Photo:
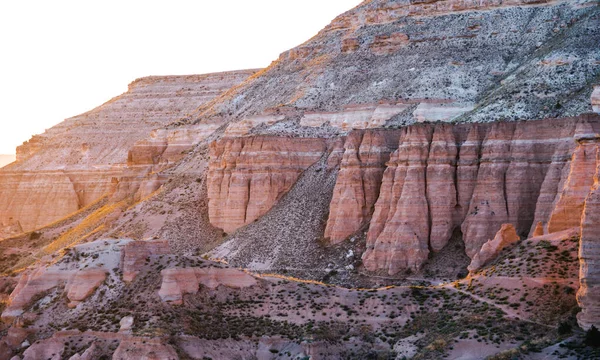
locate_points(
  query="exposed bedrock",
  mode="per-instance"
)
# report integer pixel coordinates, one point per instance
(506, 236)
(247, 176)
(78, 161)
(357, 187)
(475, 177)
(588, 296)
(178, 282)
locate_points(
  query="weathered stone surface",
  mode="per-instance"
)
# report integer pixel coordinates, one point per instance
(399, 233)
(476, 178)
(126, 324)
(359, 179)
(144, 349)
(92, 353)
(506, 236)
(244, 126)
(588, 295)
(135, 253)
(247, 176)
(178, 282)
(72, 164)
(78, 285)
(388, 44)
(432, 112)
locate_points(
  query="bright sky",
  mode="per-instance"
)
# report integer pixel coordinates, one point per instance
(60, 58)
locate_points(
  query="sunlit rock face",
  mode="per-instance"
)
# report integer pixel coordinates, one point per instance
(247, 176)
(76, 162)
(506, 236)
(596, 99)
(178, 282)
(474, 178)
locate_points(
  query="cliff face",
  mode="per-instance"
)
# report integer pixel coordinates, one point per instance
(469, 177)
(75, 163)
(246, 176)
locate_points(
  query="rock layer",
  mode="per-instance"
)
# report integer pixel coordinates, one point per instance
(135, 253)
(72, 164)
(474, 178)
(357, 187)
(506, 236)
(178, 282)
(247, 176)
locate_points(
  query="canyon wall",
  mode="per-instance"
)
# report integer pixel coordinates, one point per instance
(247, 176)
(472, 177)
(78, 161)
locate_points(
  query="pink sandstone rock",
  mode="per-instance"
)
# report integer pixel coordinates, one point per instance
(472, 178)
(506, 236)
(178, 282)
(135, 253)
(359, 179)
(588, 295)
(569, 208)
(79, 285)
(247, 176)
(399, 233)
(49, 349)
(92, 353)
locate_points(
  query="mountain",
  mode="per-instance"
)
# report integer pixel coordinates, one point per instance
(418, 180)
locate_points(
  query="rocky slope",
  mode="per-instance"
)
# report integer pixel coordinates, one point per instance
(78, 161)
(401, 144)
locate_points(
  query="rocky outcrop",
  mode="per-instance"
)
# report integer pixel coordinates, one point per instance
(135, 254)
(389, 44)
(178, 282)
(588, 295)
(475, 178)
(506, 236)
(359, 178)
(247, 176)
(79, 284)
(72, 164)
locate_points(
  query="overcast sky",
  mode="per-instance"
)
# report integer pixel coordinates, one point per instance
(60, 58)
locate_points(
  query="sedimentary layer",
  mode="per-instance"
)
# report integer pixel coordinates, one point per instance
(76, 162)
(472, 177)
(246, 176)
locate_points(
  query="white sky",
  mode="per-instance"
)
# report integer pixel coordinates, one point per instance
(60, 58)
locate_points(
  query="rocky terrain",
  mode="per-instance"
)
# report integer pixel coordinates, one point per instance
(418, 180)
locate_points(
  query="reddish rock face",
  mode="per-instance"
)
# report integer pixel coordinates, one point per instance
(359, 179)
(178, 282)
(588, 296)
(506, 236)
(142, 348)
(476, 178)
(247, 176)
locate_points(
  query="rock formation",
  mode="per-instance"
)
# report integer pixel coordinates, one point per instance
(506, 236)
(178, 282)
(247, 176)
(357, 187)
(589, 249)
(72, 164)
(476, 178)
